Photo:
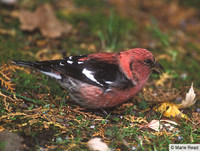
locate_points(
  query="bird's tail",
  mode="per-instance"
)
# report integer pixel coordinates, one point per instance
(34, 64)
(42, 66)
(23, 63)
(39, 65)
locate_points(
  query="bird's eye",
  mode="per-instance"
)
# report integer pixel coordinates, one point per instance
(148, 61)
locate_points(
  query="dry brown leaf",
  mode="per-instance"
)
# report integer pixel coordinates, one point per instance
(43, 19)
(190, 99)
(96, 144)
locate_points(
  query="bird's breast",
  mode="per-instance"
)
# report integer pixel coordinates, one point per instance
(95, 97)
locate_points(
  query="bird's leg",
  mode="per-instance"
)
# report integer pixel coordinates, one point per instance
(104, 112)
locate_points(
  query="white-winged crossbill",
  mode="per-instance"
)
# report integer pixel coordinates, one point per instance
(100, 80)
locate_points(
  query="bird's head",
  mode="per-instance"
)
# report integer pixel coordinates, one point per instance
(139, 61)
(146, 58)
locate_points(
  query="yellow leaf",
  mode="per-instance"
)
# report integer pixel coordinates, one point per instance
(169, 110)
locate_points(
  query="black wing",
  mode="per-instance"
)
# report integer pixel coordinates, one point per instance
(91, 71)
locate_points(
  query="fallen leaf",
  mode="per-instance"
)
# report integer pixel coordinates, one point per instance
(189, 99)
(157, 125)
(43, 19)
(96, 144)
(169, 110)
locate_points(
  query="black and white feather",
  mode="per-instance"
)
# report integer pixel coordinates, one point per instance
(91, 71)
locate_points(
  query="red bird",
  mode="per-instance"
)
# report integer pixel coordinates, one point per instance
(100, 80)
